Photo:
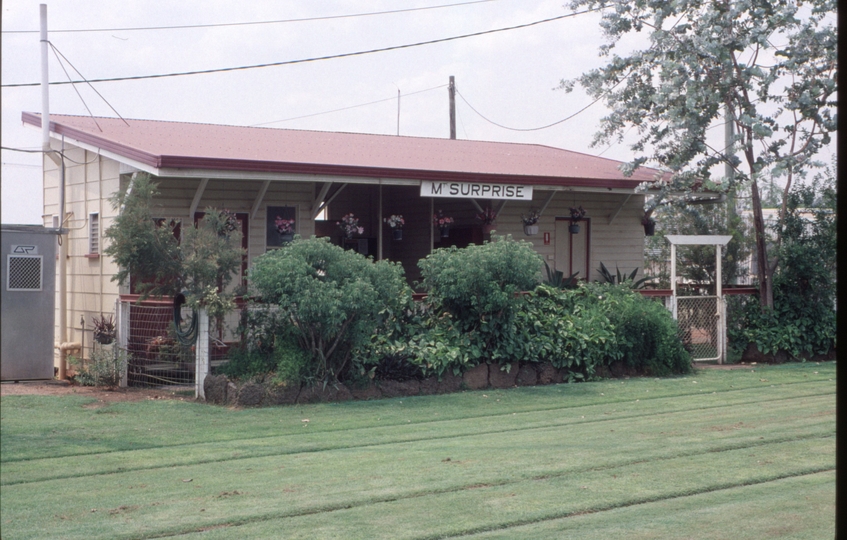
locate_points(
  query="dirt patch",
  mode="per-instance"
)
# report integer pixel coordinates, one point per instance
(103, 396)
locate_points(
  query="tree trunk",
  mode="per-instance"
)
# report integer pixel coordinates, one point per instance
(765, 288)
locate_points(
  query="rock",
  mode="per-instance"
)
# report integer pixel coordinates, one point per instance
(547, 374)
(399, 388)
(320, 393)
(250, 395)
(476, 378)
(429, 386)
(214, 388)
(366, 392)
(498, 378)
(527, 376)
(231, 393)
(282, 395)
(449, 383)
(753, 354)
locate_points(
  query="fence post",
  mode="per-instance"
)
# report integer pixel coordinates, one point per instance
(202, 351)
(122, 311)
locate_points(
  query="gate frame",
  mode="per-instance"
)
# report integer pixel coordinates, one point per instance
(703, 240)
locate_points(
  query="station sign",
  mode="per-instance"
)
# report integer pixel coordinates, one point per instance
(475, 190)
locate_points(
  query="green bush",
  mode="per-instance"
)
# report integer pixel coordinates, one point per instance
(472, 300)
(803, 319)
(646, 335)
(563, 328)
(104, 368)
(333, 299)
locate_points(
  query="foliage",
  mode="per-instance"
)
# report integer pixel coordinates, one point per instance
(565, 328)
(646, 335)
(104, 368)
(477, 285)
(349, 225)
(245, 362)
(620, 279)
(770, 66)
(104, 329)
(202, 263)
(487, 216)
(557, 279)
(395, 221)
(532, 217)
(577, 213)
(333, 298)
(696, 264)
(440, 220)
(804, 318)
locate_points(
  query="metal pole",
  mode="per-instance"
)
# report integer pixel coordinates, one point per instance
(719, 292)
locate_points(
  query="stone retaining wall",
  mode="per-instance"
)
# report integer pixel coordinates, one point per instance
(223, 391)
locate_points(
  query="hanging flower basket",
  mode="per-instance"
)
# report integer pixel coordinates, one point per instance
(397, 234)
(487, 228)
(445, 232)
(104, 330)
(443, 223)
(349, 225)
(530, 230)
(530, 221)
(649, 228)
(573, 228)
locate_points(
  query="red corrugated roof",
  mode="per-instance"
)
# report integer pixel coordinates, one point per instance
(181, 145)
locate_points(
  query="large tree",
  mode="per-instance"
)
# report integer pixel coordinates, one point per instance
(767, 66)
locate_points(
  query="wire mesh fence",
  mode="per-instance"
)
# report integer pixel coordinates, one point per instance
(699, 326)
(156, 356)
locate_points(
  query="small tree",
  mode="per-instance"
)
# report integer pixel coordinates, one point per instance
(145, 246)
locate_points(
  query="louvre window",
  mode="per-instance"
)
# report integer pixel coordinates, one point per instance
(94, 234)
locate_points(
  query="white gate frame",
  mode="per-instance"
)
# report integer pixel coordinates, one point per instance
(703, 240)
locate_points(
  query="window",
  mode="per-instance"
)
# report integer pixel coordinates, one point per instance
(94, 234)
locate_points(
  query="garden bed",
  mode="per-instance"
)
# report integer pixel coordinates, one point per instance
(221, 390)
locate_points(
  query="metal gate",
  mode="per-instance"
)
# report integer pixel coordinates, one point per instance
(700, 328)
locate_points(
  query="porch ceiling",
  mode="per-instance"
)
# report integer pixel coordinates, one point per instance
(177, 149)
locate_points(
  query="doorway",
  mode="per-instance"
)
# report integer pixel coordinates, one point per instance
(572, 247)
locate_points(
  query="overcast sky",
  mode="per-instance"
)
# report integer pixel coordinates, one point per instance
(509, 77)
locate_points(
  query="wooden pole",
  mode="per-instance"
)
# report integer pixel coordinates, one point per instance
(452, 91)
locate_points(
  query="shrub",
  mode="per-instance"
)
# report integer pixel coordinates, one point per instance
(104, 368)
(561, 327)
(646, 335)
(472, 301)
(334, 299)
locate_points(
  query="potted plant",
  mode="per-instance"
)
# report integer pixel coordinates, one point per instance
(649, 224)
(104, 330)
(285, 228)
(576, 214)
(443, 223)
(349, 225)
(487, 218)
(396, 223)
(530, 221)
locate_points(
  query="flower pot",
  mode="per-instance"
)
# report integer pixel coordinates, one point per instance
(445, 232)
(573, 228)
(530, 230)
(650, 228)
(487, 228)
(397, 234)
(103, 338)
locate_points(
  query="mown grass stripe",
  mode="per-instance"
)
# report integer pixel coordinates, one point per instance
(44, 466)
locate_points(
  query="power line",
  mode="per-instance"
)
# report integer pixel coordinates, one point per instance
(557, 122)
(315, 59)
(347, 108)
(249, 23)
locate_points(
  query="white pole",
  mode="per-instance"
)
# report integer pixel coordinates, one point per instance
(202, 351)
(719, 292)
(45, 83)
(673, 279)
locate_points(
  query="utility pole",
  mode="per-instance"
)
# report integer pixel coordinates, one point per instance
(451, 88)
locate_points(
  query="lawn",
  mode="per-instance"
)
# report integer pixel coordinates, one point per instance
(719, 454)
